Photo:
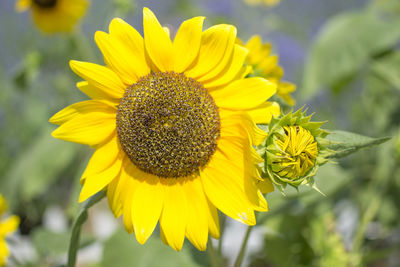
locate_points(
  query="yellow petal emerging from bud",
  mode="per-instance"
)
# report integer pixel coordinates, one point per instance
(298, 152)
(295, 147)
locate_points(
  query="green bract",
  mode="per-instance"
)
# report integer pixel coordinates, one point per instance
(295, 147)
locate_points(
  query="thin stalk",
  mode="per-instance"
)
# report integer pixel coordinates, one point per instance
(240, 256)
(212, 254)
(76, 228)
(222, 227)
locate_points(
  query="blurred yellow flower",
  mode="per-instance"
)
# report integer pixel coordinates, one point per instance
(263, 2)
(53, 16)
(7, 226)
(174, 128)
(266, 65)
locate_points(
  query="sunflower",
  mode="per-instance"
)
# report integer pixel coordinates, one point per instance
(263, 2)
(173, 124)
(266, 65)
(7, 226)
(53, 16)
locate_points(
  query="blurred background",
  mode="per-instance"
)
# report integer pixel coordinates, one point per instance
(343, 56)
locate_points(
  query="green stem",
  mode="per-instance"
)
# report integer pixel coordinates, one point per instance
(212, 254)
(240, 256)
(222, 227)
(76, 228)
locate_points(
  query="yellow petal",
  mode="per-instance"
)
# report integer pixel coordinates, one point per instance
(254, 43)
(4, 253)
(265, 186)
(96, 182)
(264, 113)
(187, 43)
(222, 66)
(114, 56)
(222, 189)
(163, 238)
(284, 90)
(127, 210)
(81, 108)
(215, 42)
(259, 51)
(8, 226)
(167, 31)
(104, 155)
(269, 67)
(104, 79)
(213, 220)
(121, 188)
(240, 124)
(95, 93)
(126, 179)
(88, 129)
(230, 71)
(131, 43)
(173, 219)
(197, 214)
(114, 203)
(157, 42)
(244, 94)
(236, 153)
(147, 204)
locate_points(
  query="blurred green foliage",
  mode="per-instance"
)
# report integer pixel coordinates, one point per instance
(345, 45)
(121, 250)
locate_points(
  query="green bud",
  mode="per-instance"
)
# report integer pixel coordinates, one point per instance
(295, 147)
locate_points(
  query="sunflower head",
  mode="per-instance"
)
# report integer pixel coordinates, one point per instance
(173, 125)
(294, 149)
(54, 16)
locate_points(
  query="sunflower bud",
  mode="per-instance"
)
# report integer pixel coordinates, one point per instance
(294, 149)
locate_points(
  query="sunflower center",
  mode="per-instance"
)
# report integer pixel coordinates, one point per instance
(168, 124)
(45, 3)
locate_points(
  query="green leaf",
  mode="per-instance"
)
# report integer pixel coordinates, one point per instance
(122, 250)
(344, 143)
(344, 45)
(388, 68)
(38, 166)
